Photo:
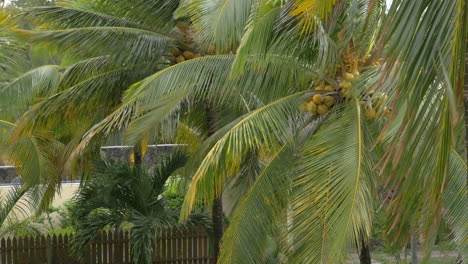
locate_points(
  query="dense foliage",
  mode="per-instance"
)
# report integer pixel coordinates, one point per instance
(309, 115)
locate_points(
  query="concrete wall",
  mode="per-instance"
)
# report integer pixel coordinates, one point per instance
(7, 174)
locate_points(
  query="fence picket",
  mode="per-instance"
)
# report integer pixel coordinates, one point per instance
(104, 247)
(126, 247)
(25, 250)
(172, 246)
(3, 255)
(9, 251)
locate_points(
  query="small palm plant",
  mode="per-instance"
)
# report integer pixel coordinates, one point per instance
(131, 195)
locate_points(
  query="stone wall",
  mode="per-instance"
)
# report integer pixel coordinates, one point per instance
(7, 174)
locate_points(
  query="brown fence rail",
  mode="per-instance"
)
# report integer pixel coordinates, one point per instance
(173, 246)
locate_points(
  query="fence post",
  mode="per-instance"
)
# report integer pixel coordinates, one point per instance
(49, 255)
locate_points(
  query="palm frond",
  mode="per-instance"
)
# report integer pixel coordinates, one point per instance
(205, 78)
(28, 88)
(12, 52)
(157, 15)
(455, 202)
(420, 64)
(266, 124)
(309, 11)
(101, 84)
(11, 201)
(60, 17)
(128, 43)
(258, 34)
(36, 157)
(260, 209)
(333, 191)
(221, 23)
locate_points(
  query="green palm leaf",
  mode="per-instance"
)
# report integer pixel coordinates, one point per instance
(27, 88)
(266, 124)
(207, 78)
(259, 210)
(456, 202)
(157, 14)
(221, 23)
(333, 191)
(60, 17)
(129, 43)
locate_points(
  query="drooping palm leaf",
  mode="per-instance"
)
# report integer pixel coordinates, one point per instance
(259, 211)
(333, 192)
(28, 88)
(266, 124)
(309, 11)
(455, 202)
(157, 15)
(97, 41)
(221, 22)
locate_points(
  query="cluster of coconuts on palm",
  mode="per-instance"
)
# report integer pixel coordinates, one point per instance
(318, 104)
(181, 55)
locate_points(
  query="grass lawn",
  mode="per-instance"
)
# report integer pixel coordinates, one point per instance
(436, 260)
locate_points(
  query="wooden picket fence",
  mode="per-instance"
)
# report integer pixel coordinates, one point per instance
(173, 246)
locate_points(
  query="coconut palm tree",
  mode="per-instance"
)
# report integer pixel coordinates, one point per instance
(130, 195)
(344, 102)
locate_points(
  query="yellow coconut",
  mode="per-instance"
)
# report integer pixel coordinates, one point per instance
(180, 59)
(348, 76)
(312, 107)
(322, 109)
(329, 88)
(371, 113)
(188, 55)
(329, 100)
(345, 84)
(317, 98)
(175, 52)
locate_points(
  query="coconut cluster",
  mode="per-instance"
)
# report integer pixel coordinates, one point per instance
(318, 104)
(375, 106)
(181, 55)
(347, 81)
(328, 92)
(324, 86)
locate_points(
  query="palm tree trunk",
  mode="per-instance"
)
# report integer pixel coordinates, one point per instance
(364, 254)
(137, 155)
(217, 209)
(218, 225)
(414, 249)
